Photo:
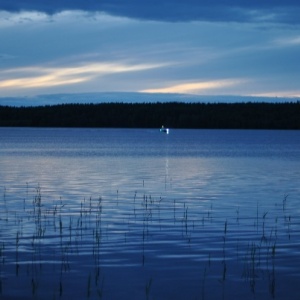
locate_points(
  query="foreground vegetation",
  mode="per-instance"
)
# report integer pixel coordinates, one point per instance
(151, 115)
(50, 245)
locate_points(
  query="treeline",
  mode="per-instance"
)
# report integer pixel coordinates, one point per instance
(153, 115)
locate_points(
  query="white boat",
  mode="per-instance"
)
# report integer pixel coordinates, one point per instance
(163, 129)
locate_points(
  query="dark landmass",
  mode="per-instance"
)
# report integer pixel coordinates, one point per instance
(134, 97)
(152, 115)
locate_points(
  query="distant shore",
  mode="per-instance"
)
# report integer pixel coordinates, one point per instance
(151, 115)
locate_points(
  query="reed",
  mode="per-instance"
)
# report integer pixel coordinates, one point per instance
(148, 288)
(5, 204)
(34, 286)
(17, 252)
(250, 267)
(272, 282)
(60, 288)
(89, 286)
(284, 201)
(203, 283)
(134, 207)
(257, 217)
(263, 226)
(84, 234)
(185, 218)
(100, 288)
(238, 215)
(174, 211)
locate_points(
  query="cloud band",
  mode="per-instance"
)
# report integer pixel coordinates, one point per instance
(171, 10)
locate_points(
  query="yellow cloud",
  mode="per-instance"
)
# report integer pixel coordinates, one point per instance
(283, 94)
(36, 77)
(35, 82)
(194, 87)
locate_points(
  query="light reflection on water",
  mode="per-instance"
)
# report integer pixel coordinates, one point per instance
(135, 214)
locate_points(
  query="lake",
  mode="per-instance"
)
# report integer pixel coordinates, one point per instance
(139, 214)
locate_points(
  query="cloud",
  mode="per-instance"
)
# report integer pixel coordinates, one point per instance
(88, 51)
(279, 94)
(288, 41)
(171, 10)
(43, 77)
(194, 87)
(4, 56)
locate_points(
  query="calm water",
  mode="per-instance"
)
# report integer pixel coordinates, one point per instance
(137, 214)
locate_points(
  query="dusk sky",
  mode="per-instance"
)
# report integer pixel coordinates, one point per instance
(204, 47)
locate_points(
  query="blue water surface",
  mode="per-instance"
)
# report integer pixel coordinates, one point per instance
(139, 214)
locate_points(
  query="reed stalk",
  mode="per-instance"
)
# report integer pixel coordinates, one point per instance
(147, 288)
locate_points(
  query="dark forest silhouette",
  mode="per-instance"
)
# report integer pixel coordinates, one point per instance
(153, 115)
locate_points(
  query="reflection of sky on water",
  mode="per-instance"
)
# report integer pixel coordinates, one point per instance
(163, 198)
(92, 162)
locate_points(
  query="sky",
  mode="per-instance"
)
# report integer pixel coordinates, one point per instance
(198, 47)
